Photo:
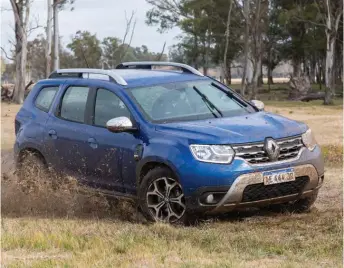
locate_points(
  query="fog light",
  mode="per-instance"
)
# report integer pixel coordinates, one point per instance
(209, 199)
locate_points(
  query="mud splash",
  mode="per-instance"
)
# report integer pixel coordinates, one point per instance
(56, 197)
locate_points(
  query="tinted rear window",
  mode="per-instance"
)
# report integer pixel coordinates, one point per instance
(45, 98)
(73, 104)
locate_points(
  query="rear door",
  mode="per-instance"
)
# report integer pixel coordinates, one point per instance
(67, 130)
(32, 117)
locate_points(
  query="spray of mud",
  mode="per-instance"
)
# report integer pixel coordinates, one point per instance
(53, 196)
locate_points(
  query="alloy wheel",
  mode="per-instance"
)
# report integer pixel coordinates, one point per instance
(165, 200)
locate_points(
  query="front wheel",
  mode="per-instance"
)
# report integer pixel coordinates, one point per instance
(161, 197)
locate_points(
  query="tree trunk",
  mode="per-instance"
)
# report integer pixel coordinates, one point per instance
(323, 70)
(296, 67)
(246, 43)
(260, 80)
(312, 71)
(21, 11)
(204, 57)
(256, 76)
(49, 39)
(256, 50)
(56, 36)
(338, 65)
(269, 68)
(270, 79)
(229, 74)
(329, 85)
(332, 24)
(227, 34)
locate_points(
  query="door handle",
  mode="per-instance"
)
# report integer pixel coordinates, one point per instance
(52, 133)
(93, 143)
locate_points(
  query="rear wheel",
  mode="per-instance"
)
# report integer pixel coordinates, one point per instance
(30, 169)
(161, 197)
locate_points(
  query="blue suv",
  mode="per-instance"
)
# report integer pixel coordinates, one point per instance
(176, 141)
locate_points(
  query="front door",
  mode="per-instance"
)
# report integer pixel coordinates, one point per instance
(111, 163)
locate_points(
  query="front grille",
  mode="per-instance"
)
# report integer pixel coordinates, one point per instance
(254, 152)
(259, 191)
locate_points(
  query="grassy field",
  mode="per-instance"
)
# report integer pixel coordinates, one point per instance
(63, 229)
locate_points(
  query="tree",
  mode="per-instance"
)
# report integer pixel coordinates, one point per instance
(48, 44)
(192, 18)
(334, 13)
(111, 52)
(86, 49)
(258, 30)
(35, 61)
(177, 53)
(273, 41)
(56, 7)
(227, 34)
(226, 31)
(2, 66)
(67, 60)
(21, 12)
(246, 46)
(311, 20)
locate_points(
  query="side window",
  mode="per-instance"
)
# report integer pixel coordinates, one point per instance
(73, 104)
(108, 106)
(45, 98)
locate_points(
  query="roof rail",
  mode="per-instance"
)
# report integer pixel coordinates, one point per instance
(149, 64)
(79, 73)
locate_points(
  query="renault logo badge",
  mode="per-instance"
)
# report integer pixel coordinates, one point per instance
(272, 149)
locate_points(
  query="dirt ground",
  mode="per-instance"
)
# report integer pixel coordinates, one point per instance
(60, 228)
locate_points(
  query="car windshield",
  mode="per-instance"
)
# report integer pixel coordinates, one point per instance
(191, 100)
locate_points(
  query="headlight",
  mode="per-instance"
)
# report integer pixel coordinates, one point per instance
(222, 154)
(309, 140)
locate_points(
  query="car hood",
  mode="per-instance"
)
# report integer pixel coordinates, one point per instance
(253, 127)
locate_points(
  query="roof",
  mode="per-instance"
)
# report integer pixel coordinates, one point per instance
(135, 77)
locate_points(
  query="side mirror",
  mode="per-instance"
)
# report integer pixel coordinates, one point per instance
(120, 124)
(259, 104)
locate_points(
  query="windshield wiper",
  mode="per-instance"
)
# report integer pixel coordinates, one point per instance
(231, 95)
(211, 106)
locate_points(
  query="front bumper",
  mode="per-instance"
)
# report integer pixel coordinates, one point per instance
(233, 196)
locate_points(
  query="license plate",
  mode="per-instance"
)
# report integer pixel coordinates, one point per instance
(278, 176)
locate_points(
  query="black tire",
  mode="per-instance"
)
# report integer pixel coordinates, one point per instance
(30, 169)
(299, 206)
(170, 211)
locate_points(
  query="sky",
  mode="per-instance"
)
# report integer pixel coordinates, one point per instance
(101, 17)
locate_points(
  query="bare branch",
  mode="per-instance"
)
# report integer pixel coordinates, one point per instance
(128, 26)
(11, 42)
(2, 9)
(339, 15)
(35, 27)
(6, 54)
(162, 52)
(311, 22)
(132, 32)
(131, 38)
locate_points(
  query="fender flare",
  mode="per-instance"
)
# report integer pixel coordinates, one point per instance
(157, 160)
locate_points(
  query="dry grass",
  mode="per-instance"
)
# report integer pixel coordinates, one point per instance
(68, 226)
